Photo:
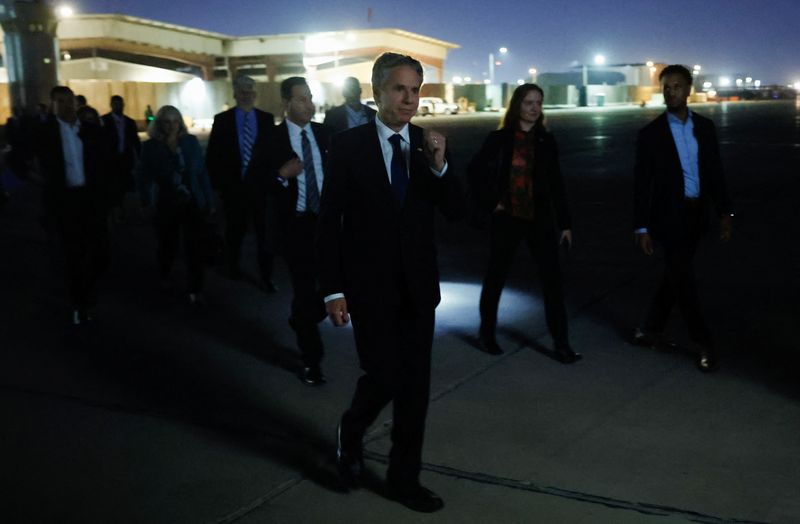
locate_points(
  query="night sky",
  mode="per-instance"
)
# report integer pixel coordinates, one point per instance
(754, 38)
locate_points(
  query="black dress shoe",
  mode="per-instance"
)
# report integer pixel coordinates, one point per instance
(488, 344)
(349, 461)
(707, 361)
(567, 356)
(312, 376)
(416, 497)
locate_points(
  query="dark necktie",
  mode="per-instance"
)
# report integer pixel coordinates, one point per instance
(248, 135)
(312, 191)
(399, 170)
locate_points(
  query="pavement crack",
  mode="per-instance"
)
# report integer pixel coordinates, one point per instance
(578, 496)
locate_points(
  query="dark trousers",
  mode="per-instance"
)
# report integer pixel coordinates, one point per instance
(82, 225)
(506, 234)
(240, 212)
(172, 220)
(678, 282)
(394, 349)
(308, 307)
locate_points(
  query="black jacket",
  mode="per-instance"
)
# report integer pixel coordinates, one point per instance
(658, 177)
(224, 162)
(50, 156)
(371, 248)
(489, 170)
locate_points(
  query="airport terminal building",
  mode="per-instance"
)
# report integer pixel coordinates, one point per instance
(154, 63)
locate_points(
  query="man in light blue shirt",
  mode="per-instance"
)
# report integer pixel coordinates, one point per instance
(352, 113)
(678, 174)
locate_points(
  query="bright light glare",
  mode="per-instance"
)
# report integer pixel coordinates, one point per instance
(504, 50)
(706, 85)
(339, 81)
(487, 81)
(532, 71)
(599, 59)
(725, 81)
(749, 80)
(468, 79)
(520, 81)
(738, 82)
(457, 80)
(652, 69)
(649, 63)
(797, 85)
(757, 83)
(697, 67)
(65, 11)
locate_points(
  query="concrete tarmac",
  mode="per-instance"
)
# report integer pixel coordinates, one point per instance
(159, 412)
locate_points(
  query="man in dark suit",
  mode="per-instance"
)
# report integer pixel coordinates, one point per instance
(378, 263)
(301, 146)
(70, 158)
(238, 161)
(126, 148)
(678, 175)
(352, 113)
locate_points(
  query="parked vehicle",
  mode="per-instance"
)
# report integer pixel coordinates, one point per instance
(431, 105)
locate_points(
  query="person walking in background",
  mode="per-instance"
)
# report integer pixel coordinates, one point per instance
(677, 176)
(304, 146)
(516, 185)
(69, 154)
(172, 177)
(352, 113)
(238, 160)
(124, 152)
(375, 239)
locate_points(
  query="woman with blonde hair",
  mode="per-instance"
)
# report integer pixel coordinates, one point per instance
(172, 177)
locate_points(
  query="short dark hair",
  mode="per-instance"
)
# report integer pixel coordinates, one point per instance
(676, 69)
(511, 118)
(60, 90)
(116, 98)
(388, 61)
(288, 84)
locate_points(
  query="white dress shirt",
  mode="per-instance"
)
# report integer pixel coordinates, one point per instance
(72, 147)
(297, 145)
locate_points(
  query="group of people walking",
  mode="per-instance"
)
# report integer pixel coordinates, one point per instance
(350, 205)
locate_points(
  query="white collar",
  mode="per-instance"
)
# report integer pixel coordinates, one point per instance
(385, 132)
(294, 129)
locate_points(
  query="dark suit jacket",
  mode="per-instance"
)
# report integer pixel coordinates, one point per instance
(489, 170)
(658, 177)
(287, 196)
(336, 117)
(224, 162)
(50, 155)
(133, 146)
(371, 248)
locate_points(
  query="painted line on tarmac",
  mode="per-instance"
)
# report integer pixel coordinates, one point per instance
(639, 507)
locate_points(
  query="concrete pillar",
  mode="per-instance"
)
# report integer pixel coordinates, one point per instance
(31, 51)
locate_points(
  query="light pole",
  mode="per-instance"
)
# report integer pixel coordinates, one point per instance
(502, 51)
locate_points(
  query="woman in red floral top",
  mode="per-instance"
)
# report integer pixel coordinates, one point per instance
(516, 184)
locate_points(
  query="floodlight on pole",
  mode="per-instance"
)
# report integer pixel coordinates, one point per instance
(492, 63)
(65, 11)
(599, 60)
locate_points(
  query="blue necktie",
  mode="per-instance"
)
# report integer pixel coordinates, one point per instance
(312, 191)
(247, 140)
(399, 170)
